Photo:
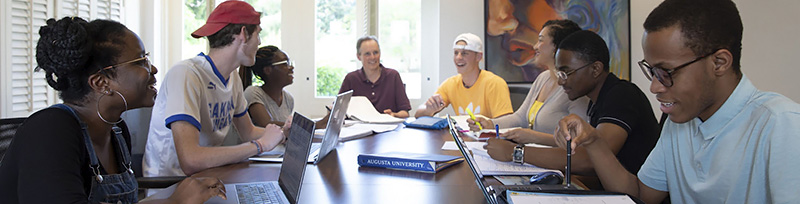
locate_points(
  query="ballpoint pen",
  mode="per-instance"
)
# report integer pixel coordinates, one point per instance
(472, 116)
(497, 130)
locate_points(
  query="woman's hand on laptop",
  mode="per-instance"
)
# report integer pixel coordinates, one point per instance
(198, 190)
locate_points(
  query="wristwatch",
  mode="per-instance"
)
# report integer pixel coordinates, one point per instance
(519, 154)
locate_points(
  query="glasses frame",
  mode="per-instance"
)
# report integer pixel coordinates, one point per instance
(561, 75)
(149, 66)
(287, 62)
(667, 81)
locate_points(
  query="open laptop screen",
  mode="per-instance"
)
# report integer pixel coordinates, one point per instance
(335, 121)
(470, 161)
(296, 155)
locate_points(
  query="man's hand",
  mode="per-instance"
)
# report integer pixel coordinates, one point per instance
(499, 149)
(435, 103)
(575, 128)
(198, 190)
(485, 123)
(273, 135)
(400, 114)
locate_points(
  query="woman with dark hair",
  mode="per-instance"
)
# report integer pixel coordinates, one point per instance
(78, 151)
(545, 104)
(270, 103)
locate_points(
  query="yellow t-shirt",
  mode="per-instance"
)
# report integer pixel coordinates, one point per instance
(488, 96)
(533, 111)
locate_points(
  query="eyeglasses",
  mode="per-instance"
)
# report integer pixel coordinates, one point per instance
(564, 75)
(148, 66)
(665, 75)
(287, 62)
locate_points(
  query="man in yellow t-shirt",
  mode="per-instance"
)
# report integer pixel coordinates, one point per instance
(479, 91)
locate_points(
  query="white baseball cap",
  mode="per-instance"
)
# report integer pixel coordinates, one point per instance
(474, 42)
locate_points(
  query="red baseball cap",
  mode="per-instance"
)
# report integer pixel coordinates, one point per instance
(233, 11)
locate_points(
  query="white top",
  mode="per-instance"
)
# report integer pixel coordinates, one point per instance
(194, 91)
(256, 95)
(555, 107)
(745, 153)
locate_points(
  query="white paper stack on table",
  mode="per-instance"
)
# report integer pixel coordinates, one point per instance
(483, 135)
(355, 129)
(361, 109)
(490, 167)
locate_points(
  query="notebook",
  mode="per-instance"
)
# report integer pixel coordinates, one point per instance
(329, 140)
(491, 193)
(287, 188)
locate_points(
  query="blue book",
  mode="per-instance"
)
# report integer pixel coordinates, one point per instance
(429, 163)
(427, 122)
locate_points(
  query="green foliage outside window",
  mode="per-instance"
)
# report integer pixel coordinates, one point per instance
(329, 79)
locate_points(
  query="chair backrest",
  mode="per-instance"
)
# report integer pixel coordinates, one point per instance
(8, 127)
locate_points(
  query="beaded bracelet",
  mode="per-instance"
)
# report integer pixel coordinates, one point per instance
(258, 146)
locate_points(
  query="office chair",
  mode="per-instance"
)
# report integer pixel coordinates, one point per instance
(8, 127)
(136, 165)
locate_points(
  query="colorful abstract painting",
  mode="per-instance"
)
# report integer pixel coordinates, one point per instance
(512, 29)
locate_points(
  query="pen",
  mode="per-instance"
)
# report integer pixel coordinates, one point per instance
(569, 156)
(497, 130)
(473, 118)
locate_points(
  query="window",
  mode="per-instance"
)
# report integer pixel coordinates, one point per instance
(196, 12)
(334, 44)
(194, 16)
(398, 29)
(270, 27)
(28, 89)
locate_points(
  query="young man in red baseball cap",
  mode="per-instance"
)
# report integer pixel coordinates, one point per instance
(201, 97)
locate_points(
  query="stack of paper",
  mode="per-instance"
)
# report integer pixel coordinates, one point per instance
(539, 197)
(360, 130)
(361, 109)
(483, 135)
(490, 167)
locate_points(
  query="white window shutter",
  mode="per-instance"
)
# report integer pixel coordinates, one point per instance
(26, 91)
(109, 9)
(29, 91)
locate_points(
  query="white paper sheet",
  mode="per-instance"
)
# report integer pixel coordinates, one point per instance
(362, 109)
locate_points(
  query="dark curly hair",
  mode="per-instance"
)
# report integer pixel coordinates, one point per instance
(560, 29)
(70, 50)
(588, 46)
(224, 36)
(264, 57)
(706, 25)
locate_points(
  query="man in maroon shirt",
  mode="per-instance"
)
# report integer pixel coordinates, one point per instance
(382, 86)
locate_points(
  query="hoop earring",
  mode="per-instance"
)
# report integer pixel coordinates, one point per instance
(98, 107)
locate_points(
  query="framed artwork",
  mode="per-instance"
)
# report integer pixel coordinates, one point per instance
(512, 29)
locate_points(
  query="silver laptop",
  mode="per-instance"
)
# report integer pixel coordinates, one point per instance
(287, 188)
(491, 193)
(329, 139)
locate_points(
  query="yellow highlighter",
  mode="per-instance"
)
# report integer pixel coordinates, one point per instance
(473, 119)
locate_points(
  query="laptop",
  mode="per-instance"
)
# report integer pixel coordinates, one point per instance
(287, 188)
(491, 193)
(329, 139)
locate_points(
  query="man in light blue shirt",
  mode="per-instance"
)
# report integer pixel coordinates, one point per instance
(725, 140)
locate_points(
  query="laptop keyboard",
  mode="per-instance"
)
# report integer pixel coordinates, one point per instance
(258, 193)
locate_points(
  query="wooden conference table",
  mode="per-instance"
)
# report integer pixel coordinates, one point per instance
(339, 179)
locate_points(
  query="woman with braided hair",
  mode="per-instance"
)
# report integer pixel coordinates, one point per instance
(77, 152)
(270, 103)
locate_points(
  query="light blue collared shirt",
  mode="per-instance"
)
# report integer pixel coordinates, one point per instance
(746, 152)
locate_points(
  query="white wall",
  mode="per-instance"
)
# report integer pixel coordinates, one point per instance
(769, 45)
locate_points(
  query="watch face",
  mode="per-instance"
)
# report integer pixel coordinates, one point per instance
(517, 154)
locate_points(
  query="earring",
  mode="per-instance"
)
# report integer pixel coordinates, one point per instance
(98, 107)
